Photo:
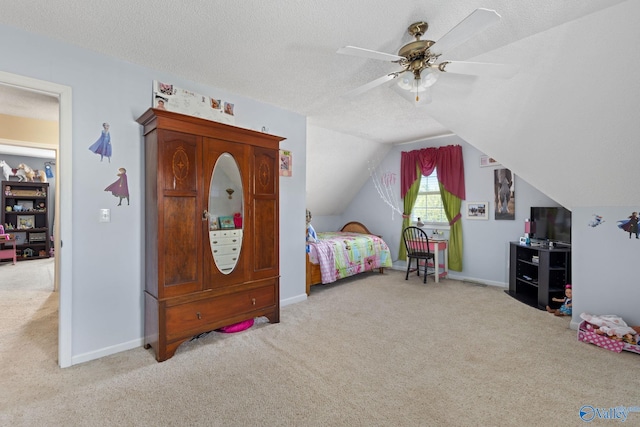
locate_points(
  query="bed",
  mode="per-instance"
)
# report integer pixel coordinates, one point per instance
(350, 251)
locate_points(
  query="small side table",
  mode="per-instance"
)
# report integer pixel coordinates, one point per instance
(7, 251)
(436, 246)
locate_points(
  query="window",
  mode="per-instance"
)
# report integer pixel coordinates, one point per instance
(429, 207)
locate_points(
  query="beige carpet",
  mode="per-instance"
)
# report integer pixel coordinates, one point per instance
(372, 351)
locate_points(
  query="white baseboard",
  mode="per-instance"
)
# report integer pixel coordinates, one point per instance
(574, 325)
(107, 351)
(402, 266)
(293, 300)
(478, 281)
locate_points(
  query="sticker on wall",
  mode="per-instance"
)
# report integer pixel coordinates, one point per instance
(630, 225)
(103, 145)
(596, 220)
(120, 188)
(505, 203)
(286, 167)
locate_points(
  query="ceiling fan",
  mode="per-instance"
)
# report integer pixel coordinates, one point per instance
(419, 59)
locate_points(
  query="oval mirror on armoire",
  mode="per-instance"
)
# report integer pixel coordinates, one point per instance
(226, 213)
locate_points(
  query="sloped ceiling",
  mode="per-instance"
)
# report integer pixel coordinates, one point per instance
(284, 53)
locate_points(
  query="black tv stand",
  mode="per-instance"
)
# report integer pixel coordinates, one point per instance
(536, 282)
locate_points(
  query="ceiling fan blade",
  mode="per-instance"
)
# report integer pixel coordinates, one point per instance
(362, 89)
(500, 71)
(479, 20)
(371, 54)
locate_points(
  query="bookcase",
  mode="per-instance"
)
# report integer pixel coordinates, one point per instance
(25, 215)
(538, 273)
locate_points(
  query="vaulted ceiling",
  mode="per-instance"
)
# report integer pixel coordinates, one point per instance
(284, 53)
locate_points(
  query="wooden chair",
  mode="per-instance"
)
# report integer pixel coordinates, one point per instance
(417, 243)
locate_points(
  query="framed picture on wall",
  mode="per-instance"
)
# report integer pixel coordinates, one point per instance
(477, 210)
(505, 200)
(486, 161)
(286, 163)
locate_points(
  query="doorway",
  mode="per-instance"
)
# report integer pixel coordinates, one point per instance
(62, 225)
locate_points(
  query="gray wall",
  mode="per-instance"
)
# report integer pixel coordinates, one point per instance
(605, 264)
(108, 258)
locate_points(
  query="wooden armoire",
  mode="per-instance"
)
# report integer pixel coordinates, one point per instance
(186, 293)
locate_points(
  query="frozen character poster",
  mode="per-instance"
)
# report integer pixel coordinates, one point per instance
(120, 188)
(103, 145)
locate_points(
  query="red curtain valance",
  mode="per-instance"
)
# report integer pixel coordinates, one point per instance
(448, 161)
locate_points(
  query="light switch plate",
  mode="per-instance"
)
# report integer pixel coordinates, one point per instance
(105, 215)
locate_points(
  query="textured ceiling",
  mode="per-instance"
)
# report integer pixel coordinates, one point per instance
(284, 52)
(23, 103)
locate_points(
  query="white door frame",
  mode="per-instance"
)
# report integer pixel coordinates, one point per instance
(62, 226)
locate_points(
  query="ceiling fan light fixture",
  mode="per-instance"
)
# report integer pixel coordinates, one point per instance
(428, 77)
(407, 82)
(410, 90)
(410, 83)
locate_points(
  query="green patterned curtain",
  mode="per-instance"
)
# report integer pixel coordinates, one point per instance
(450, 165)
(409, 201)
(452, 210)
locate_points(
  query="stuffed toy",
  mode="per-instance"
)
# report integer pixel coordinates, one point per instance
(7, 171)
(311, 233)
(565, 308)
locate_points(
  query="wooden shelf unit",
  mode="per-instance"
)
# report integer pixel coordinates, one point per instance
(31, 224)
(536, 282)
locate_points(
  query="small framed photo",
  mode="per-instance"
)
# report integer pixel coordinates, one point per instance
(25, 221)
(286, 163)
(226, 222)
(486, 161)
(477, 210)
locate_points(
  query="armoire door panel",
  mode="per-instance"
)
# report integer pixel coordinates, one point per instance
(265, 166)
(264, 205)
(179, 161)
(265, 257)
(181, 271)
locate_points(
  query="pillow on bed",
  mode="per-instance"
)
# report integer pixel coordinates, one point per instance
(236, 327)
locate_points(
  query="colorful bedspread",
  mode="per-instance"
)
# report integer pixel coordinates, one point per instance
(342, 254)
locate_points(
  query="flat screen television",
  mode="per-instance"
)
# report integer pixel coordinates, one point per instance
(552, 224)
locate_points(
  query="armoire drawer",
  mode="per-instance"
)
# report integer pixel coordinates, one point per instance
(194, 315)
